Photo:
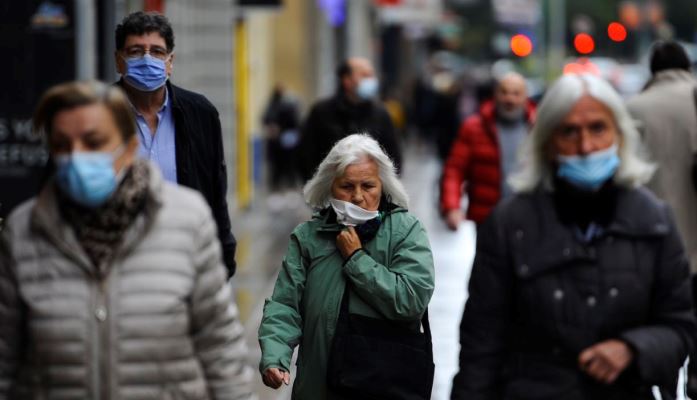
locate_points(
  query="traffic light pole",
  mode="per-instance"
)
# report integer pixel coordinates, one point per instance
(557, 38)
(85, 39)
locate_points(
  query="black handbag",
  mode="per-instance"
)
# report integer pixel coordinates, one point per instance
(374, 358)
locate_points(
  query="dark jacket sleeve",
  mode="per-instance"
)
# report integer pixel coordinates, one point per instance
(486, 318)
(456, 167)
(308, 148)
(220, 209)
(388, 139)
(661, 347)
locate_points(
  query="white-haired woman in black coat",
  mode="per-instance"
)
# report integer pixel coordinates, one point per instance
(580, 284)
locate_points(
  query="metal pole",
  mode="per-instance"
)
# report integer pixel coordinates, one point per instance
(557, 37)
(85, 39)
(358, 29)
(241, 61)
(107, 69)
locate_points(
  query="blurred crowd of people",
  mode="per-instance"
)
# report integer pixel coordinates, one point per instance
(114, 279)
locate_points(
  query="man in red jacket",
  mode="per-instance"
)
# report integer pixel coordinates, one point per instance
(484, 152)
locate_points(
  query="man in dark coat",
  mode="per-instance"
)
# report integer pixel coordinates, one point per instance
(353, 109)
(178, 130)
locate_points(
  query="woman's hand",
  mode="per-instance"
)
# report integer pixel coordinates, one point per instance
(348, 242)
(274, 377)
(606, 360)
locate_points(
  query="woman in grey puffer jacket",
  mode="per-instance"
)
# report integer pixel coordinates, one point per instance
(111, 281)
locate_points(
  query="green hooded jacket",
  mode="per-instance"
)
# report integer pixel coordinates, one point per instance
(392, 277)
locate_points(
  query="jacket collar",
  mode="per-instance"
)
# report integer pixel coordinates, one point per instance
(634, 218)
(346, 106)
(47, 219)
(635, 213)
(670, 76)
(171, 92)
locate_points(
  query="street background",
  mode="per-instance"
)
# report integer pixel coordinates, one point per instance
(435, 60)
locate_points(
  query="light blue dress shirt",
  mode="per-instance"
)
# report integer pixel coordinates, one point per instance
(160, 148)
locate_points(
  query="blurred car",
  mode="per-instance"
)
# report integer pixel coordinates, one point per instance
(603, 67)
(630, 79)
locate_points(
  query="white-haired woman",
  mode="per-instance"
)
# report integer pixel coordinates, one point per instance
(362, 242)
(580, 284)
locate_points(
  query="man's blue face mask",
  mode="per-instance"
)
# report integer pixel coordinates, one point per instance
(88, 178)
(589, 172)
(367, 88)
(146, 73)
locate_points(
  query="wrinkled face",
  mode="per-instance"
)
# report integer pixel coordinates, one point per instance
(151, 43)
(360, 69)
(587, 128)
(89, 128)
(360, 184)
(511, 97)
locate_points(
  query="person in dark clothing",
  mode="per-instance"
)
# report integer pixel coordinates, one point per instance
(353, 109)
(580, 288)
(178, 130)
(281, 125)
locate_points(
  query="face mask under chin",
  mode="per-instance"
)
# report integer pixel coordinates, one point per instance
(349, 214)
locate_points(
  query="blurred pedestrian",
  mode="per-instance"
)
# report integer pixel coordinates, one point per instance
(353, 109)
(580, 287)
(437, 101)
(364, 253)
(484, 153)
(667, 111)
(281, 127)
(112, 285)
(178, 130)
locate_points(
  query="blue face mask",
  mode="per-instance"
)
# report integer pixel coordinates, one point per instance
(367, 88)
(88, 178)
(145, 73)
(589, 172)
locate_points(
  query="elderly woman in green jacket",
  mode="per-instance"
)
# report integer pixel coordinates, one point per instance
(362, 238)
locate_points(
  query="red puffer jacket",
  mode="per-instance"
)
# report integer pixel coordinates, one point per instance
(475, 160)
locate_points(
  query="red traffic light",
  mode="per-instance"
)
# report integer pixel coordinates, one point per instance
(521, 45)
(584, 43)
(617, 32)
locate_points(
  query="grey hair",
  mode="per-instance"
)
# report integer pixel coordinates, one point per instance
(351, 150)
(634, 169)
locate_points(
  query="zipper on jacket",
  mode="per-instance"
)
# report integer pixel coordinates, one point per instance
(101, 342)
